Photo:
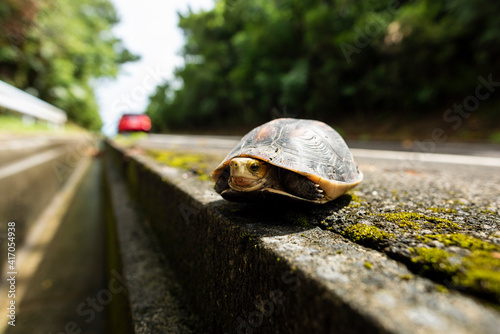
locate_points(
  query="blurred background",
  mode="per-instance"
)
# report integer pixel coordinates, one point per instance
(373, 69)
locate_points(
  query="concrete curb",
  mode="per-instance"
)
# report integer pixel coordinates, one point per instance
(246, 269)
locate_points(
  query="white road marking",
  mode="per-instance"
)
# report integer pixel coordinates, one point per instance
(427, 157)
(229, 142)
(30, 162)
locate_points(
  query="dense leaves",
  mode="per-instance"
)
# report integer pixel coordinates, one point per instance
(56, 48)
(327, 60)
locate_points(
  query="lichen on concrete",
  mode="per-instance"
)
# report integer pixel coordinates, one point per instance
(445, 227)
(200, 165)
(366, 235)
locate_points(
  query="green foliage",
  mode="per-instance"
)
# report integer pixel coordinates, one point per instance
(327, 60)
(55, 48)
(14, 124)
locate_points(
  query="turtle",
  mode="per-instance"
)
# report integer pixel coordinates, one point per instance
(288, 158)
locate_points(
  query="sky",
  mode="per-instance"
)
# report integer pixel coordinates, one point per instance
(147, 28)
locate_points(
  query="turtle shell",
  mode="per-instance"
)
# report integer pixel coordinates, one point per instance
(307, 147)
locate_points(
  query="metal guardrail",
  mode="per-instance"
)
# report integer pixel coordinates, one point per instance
(17, 100)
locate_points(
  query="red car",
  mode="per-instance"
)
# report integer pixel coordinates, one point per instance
(134, 123)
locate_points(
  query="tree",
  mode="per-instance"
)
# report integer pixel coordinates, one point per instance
(55, 49)
(329, 60)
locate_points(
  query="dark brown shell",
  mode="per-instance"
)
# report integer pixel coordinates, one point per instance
(310, 148)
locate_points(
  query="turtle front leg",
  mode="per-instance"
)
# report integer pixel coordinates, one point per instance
(300, 185)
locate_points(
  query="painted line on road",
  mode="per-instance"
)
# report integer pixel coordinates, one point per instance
(228, 143)
(30, 162)
(427, 157)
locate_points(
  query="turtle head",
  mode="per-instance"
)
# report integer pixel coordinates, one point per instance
(248, 174)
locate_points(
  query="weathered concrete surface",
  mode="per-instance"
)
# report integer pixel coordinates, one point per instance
(156, 300)
(272, 269)
(441, 220)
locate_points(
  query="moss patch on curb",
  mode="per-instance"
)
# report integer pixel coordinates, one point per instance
(482, 273)
(366, 235)
(298, 218)
(478, 271)
(414, 220)
(447, 238)
(461, 240)
(199, 164)
(435, 259)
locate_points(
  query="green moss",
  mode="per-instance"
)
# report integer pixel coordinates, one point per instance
(406, 277)
(461, 240)
(477, 272)
(248, 236)
(204, 177)
(446, 224)
(368, 265)
(365, 234)
(401, 216)
(442, 288)
(482, 272)
(435, 259)
(196, 163)
(298, 219)
(177, 159)
(356, 201)
(404, 219)
(414, 220)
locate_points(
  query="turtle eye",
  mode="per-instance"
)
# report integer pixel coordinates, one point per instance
(254, 167)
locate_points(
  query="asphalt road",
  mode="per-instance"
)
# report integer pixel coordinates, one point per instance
(72, 270)
(61, 257)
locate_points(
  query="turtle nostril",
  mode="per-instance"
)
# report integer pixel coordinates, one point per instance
(234, 164)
